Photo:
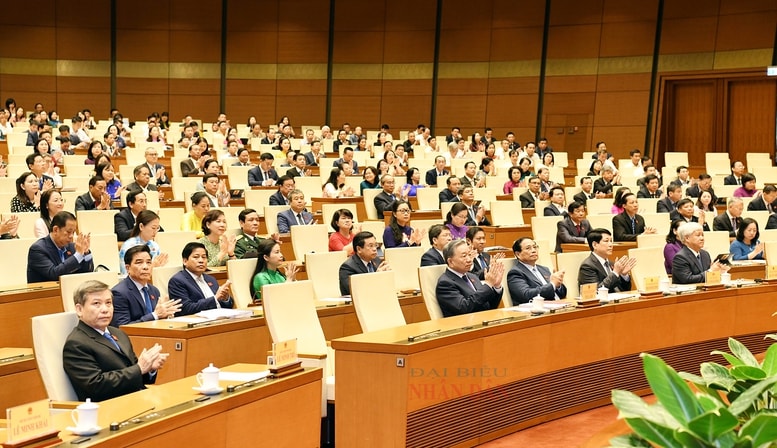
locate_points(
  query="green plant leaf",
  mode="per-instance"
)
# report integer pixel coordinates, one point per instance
(748, 373)
(747, 398)
(733, 360)
(743, 443)
(711, 425)
(709, 401)
(689, 440)
(770, 361)
(660, 435)
(717, 375)
(629, 441)
(672, 392)
(631, 406)
(740, 351)
(762, 428)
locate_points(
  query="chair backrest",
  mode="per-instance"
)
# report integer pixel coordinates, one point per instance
(238, 177)
(600, 206)
(327, 210)
(241, 273)
(545, 228)
(70, 282)
(650, 263)
(768, 235)
(105, 251)
(508, 263)
(290, 313)
(716, 242)
(96, 222)
(770, 252)
(445, 207)
(306, 239)
(49, 333)
(310, 185)
(760, 216)
(544, 248)
(569, 262)
(377, 306)
(271, 217)
(369, 202)
(258, 199)
(600, 221)
(323, 268)
(14, 268)
(428, 277)
(428, 198)
(717, 163)
(645, 240)
(506, 213)
(648, 205)
(675, 159)
(182, 185)
(659, 221)
(404, 261)
(160, 276)
(27, 220)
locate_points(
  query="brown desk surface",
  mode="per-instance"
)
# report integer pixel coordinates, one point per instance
(528, 370)
(19, 379)
(290, 411)
(19, 305)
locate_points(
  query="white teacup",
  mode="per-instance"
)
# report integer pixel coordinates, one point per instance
(725, 277)
(208, 379)
(85, 415)
(537, 304)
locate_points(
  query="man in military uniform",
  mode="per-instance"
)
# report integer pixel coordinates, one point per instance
(247, 241)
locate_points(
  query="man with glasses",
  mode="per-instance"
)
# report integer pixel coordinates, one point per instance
(362, 261)
(598, 269)
(527, 279)
(533, 194)
(156, 169)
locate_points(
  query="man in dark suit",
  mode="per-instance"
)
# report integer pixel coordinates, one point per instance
(735, 178)
(362, 261)
(588, 193)
(190, 284)
(285, 187)
(604, 184)
(703, 184)
(96, 198)
(437, 171)
(346, 159)
(765, 201)
(385, 198)
(574, 227)
(481, 261)
(556, 206)
(527, 279)
(439, 236)
(627, 225)
(296, 214)
(451, 193)
(98, 358)
(598, 269)
(142, 176)
(156, 169)
(476, 214)
(263, 174)
(56, 254)
(691, 263)
(124, 221)
(459, 291)
(32, 133)
(674, 192)
(37, 165)
(650, 189)
(299, 167)
(135, 299)
(729, 221)
(193, 165)
(685, 212)
(530, 196)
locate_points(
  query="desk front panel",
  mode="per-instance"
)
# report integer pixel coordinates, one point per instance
(18, 307)
(481, 383)
(19, 379)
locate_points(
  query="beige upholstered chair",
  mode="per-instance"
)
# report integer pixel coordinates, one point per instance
(323, 269)
(49, 333)
(428, 276)
(69, 283)
(377, 306)
(241, 273)
(404, 261)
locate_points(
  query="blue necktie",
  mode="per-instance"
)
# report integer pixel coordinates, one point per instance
(62, 254)
(108, 336)
(370, 268)
(147, 299)
(633, 225)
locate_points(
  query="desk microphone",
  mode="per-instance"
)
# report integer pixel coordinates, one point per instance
(116, 425)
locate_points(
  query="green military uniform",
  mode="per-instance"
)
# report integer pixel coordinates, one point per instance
(246, 244)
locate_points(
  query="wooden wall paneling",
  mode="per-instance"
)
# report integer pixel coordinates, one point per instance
(404, 112)
(690, 8)
(688, 35)
(746, 31)
(302, 109)
(197, 105)
(750, 121)
(692, 119)
(568, 12)
(466, 111)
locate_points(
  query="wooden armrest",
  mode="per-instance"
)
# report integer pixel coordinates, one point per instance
(312, 356)
(64, 404)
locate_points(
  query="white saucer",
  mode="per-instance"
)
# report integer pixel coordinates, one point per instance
(83, 431)
(212, 391)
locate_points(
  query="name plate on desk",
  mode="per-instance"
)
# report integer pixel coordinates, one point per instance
(771, 272)
(284, 353)
(29, 422)
(588, 291)
(651, 284)
(712, 278)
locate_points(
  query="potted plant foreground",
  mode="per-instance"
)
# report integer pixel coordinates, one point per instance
(731, 406)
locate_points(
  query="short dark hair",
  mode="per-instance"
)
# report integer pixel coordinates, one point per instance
(266, 156)
(209, 176)
(704, 176)
(472, 231)
(93, 180)
(134, 250)
(244, 213)
(197, 197)
(31, 158)
(190, 247)
(336, 217)
(138, 168)
(60, 219)
(283, 179)
(360, 238)
(769, 189)
(634, 151)
(748, 177)
(574, 205)
(680, 168)
(517, 243)
(682, 202)
(209, 218)
(584, 178)
(650, 177)
(435, 231)
(132, 195)
(595, 236)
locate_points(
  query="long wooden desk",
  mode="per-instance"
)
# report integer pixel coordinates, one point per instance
(18, 306)
(239, 340)
(19, 379)
(474, 383)
(283, 412)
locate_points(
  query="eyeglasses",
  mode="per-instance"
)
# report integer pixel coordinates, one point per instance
(403, 210)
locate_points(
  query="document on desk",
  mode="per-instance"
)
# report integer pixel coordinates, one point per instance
(527, 307)
(224, 313)
(243, 376)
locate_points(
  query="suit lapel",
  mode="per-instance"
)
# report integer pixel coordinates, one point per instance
(529, 274)
(137, 295)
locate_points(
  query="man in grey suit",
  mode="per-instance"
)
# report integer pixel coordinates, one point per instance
(692, 263)
(730, 220)
(598, 269)
(527, 279)
(439, 236)
(574, 227)
(674, 192)
(362, 261)
(296, 214)
(459, 291)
